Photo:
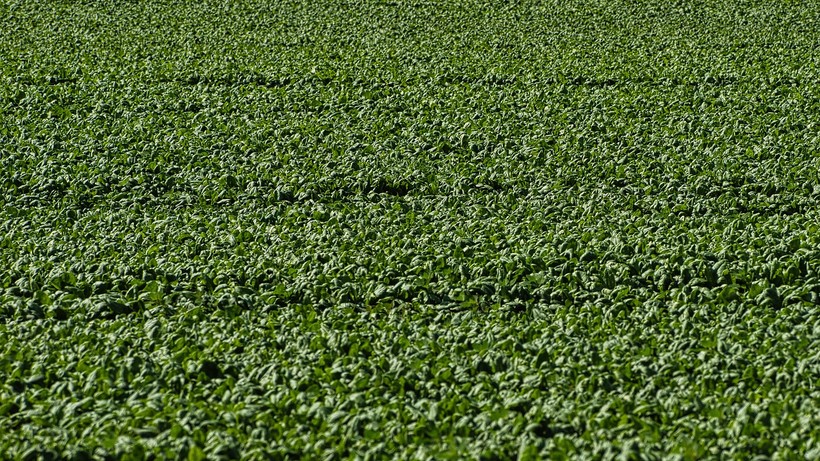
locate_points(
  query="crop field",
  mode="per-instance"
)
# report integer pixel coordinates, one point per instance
(444, 229)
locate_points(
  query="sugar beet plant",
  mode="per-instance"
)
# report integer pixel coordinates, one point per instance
(409, 229)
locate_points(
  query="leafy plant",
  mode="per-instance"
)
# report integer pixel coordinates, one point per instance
(409, 230)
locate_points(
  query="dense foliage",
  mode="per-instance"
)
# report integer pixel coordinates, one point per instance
(409, 229)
